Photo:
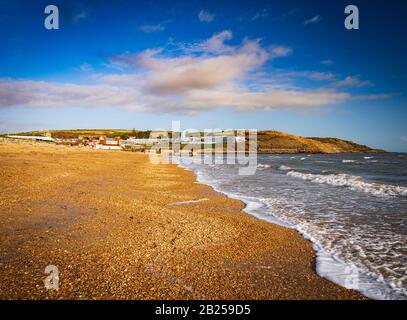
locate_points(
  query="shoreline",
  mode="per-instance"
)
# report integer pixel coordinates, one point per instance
(326, 265)
(115, 233)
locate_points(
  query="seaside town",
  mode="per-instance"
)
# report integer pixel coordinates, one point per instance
(160, 139)
(191, 141)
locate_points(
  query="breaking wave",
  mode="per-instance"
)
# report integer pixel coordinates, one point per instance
(355, 183)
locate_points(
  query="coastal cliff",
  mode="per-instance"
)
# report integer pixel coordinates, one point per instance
(279, 142)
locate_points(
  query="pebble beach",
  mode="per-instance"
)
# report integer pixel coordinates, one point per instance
(119, 227)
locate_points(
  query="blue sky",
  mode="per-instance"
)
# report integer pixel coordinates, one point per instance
(283, 65)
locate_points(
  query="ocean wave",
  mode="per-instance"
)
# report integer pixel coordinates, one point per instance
(352, 182)
(348, 161)
(344, 252)
(263, 166)
(336, 258)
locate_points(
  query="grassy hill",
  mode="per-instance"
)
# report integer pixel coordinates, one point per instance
(267, 141)
(279, 142)
(70, 134)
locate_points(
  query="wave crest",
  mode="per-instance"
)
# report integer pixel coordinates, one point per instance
(352, 182)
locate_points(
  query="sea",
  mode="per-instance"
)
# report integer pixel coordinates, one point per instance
(352, 207)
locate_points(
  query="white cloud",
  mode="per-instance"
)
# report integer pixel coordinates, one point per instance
(313, 20)
(261, 14)
(215, 44)
(205, 16)
(54, 94)
(327, 62)
(311, 75)
(320, 76)
(403, 138)
(116, 79)
(353, 82)
(280, 51)
(79, 16)
(152, 28)
(85, 67)
(207, 75)
(175, 75)
(249, 101)
(289, 13)
(379, 96)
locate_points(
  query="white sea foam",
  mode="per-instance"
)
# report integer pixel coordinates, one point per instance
(335, 261)
(329, 264)
(284, 168)
(348, 161)
(352, 182)
(263, 166)
(367, 158)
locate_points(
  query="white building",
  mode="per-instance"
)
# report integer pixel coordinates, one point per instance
(36, 138)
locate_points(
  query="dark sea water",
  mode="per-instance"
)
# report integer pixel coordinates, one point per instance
(353, 207)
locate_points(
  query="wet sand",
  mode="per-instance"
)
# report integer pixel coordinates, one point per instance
(111, 222)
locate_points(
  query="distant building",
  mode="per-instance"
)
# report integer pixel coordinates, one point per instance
(109, 143)
(88, 141)
(67, 142)
(36, 138)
